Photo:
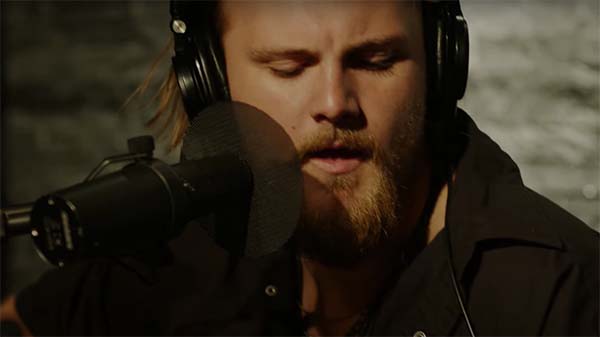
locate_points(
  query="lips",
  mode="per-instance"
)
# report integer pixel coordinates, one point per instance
(337, 159)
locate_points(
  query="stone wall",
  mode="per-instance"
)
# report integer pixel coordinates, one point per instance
(68, 67)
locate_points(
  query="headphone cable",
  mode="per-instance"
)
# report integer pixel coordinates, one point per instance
(455, 284)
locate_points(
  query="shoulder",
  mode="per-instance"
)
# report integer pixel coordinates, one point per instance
(73, 299)
(543, 280)
(534, 267)
(493, 202)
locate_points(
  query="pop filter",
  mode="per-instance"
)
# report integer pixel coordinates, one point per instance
(233, 128)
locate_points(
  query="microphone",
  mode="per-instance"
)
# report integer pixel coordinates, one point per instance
(236, 162)
(135, 209)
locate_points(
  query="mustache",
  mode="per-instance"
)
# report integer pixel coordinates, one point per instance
(347, 141)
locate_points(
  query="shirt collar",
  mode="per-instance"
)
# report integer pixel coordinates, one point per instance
(488, 200)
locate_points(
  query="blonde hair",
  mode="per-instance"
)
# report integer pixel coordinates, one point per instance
(170, 118)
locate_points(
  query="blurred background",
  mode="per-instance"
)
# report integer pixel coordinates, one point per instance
(67, 68)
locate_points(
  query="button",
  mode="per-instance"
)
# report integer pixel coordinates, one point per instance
(419, 334)
(271, 290)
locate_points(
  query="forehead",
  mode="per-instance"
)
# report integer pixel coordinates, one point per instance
(324, 24)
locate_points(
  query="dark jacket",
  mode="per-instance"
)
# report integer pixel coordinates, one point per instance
(525, 267)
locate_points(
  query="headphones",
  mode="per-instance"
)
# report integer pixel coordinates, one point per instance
(199, 61)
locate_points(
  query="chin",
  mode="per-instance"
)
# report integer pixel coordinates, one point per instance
(345, 215)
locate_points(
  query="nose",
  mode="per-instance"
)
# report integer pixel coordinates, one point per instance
(335, 99)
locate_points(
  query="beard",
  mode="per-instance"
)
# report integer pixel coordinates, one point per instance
(345, 217)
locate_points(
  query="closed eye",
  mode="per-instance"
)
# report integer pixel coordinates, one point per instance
(286, 69)
(375, 61)
(285, 63)
(377, 55)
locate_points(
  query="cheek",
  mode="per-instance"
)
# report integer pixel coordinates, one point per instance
(394, 106)
(253, 85)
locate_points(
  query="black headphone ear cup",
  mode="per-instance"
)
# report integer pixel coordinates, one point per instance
(460, 56)
(200, 74)
(455, 67)
(450, 59)
(440, 58)
(446, 43)
(190, 84)
(216, 73)
(435, 35)
(199, 63)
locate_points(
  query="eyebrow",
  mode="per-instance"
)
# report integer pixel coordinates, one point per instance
(397, 43)
(298, 54)
(266, 55)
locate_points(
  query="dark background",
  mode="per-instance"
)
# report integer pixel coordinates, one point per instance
(67, 67)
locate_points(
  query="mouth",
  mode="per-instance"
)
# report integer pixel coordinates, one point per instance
(337, 159)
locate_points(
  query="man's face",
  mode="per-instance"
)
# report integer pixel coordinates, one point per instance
(347, 83)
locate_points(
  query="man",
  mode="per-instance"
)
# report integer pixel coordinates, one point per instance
(384, 247)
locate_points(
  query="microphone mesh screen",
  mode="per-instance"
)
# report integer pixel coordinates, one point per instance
(242, 130)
